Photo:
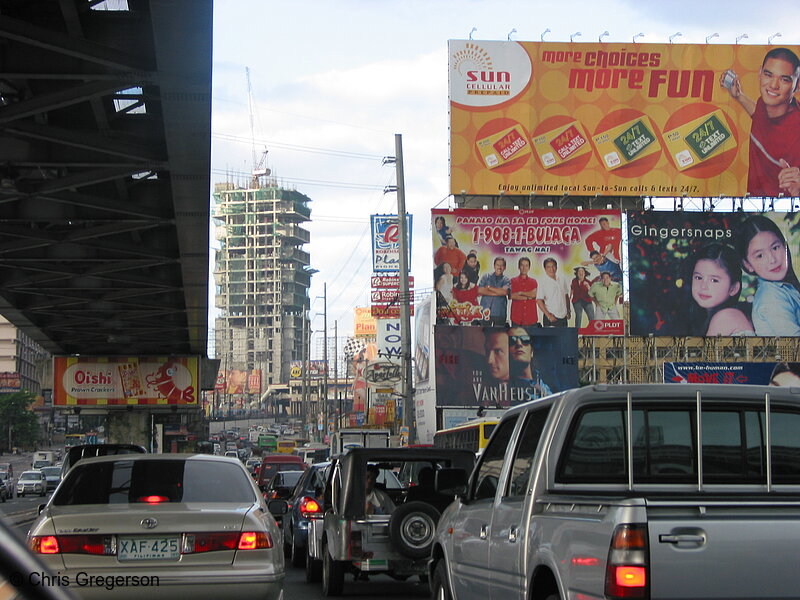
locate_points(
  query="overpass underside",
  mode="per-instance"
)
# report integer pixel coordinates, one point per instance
(105, 138)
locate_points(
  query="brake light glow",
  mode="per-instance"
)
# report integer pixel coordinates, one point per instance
(309, 507)
(254, 540)
(44, 544)
(630, 576)
(626, 569)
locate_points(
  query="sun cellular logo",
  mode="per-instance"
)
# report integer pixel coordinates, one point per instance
(489, 76)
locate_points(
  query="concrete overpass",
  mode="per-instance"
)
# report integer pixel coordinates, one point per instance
(105, 139)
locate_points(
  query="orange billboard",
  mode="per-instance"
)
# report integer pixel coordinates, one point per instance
(623, 119)
(125, 381)
(365, 325)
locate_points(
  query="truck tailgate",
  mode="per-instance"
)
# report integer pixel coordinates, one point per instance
(726, 549)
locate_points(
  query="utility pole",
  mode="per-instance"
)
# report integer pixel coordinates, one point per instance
(336, 393)
(304, 374)
(325, 357)
(407, 391)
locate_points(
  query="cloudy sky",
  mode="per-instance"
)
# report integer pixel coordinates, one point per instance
(333, 81)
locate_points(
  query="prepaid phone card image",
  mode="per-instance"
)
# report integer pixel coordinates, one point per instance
(504, 146)
(699, 139)
(131, 380)
(627, 143)
(559, 145)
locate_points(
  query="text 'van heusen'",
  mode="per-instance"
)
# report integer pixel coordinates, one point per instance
(629, 491)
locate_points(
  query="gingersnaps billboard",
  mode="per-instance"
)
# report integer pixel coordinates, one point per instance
(623, 119)
(552, 267)
(125, 381)
(499, 367)
(714, 274)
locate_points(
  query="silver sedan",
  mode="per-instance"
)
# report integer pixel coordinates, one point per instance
(161, 526)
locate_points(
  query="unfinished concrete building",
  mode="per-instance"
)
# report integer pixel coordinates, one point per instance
(262, 277)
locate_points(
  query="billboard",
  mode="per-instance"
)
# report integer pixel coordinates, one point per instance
(316, 369)
(499, 367)
(386, 243)
(709, 274)
(364, 322)
(529, 267)
(125, 381)
(10, 382)
(621, 119)
(766, 373)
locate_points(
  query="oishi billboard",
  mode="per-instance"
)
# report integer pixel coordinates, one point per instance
(552, 267)
(125, 381)
(623, 119)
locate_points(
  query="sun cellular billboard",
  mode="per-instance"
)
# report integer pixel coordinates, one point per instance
(620, 119)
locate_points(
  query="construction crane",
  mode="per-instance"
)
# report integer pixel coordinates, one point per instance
(259, 168)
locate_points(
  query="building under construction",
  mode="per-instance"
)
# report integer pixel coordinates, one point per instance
(262, 277)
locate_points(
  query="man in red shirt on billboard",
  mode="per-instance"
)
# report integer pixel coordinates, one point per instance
(605, 240)
(452, 255)
(523, 296)
(775, 132)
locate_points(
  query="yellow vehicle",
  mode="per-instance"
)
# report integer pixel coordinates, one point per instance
(470, 435)
(286, 446)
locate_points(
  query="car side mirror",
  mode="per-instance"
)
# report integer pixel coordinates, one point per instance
(451, 482)
(41, 508)
(278, 508)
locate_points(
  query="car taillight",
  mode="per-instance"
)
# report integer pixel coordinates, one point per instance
(153, 499)
(254, 540)
(626, 571)
(309, 508)
(73, 544)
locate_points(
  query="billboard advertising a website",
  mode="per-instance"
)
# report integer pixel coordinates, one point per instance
(622, 119)
(125, 381)
(551, 267)
(752, 373)
(499, 367)
(714, 274)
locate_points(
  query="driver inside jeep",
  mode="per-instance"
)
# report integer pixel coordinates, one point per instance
(378, 502)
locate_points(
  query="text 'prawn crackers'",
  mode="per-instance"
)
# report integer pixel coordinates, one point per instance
(131, 380)
(559, 145)
(626, 143)
(504, 146)
(699, 139)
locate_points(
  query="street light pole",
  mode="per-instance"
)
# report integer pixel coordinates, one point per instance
(405, 298)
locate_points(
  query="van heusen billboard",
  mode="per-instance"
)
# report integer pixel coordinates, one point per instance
(125, 381)
(622, 119)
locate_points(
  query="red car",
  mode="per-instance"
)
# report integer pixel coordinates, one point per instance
(272, 463)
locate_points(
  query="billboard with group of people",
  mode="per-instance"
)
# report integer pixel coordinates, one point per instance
(688, 273)
(623, 119)
(532, 268)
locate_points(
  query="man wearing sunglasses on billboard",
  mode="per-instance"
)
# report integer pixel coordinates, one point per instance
(520, 359)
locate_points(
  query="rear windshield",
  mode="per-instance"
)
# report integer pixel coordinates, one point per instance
(734, 448)
(268, 470)
(127, 481)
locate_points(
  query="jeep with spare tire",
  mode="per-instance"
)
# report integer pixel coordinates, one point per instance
(359, 535)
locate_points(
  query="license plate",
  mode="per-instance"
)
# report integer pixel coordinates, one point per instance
(155, 548)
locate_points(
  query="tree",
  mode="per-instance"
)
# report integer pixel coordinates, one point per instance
(18, 424)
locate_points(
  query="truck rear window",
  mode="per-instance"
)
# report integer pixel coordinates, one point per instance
(665, 446)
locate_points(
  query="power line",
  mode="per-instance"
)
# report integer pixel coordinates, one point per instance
(296, 147)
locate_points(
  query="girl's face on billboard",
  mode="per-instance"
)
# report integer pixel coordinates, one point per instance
(766, 256)
(711, 284)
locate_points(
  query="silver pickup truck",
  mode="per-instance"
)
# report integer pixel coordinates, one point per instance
(632, 491)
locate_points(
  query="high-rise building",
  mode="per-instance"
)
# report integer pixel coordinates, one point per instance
(262, 276)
